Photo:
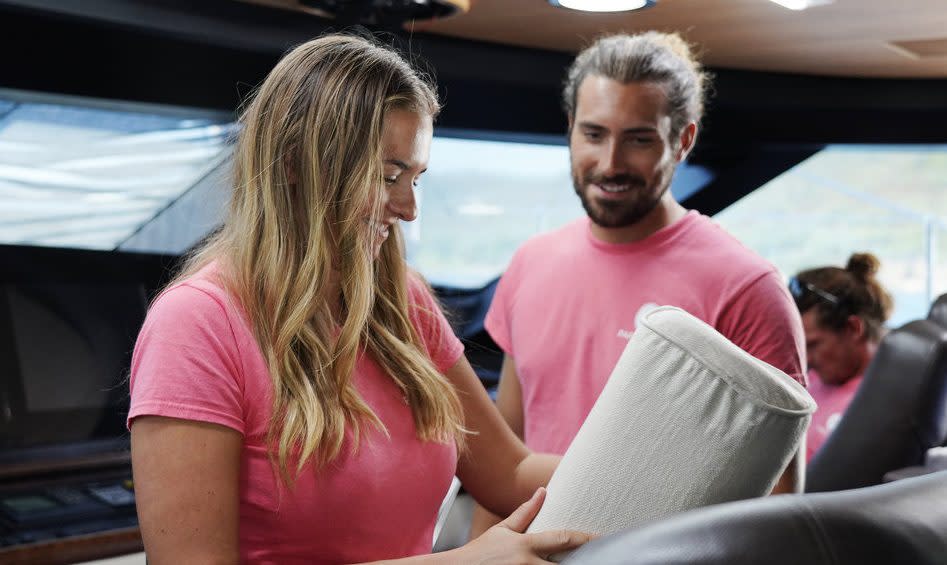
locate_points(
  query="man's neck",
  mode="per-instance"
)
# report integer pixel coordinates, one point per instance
(664, 214)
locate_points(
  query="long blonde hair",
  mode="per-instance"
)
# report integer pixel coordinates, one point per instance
(307, 173)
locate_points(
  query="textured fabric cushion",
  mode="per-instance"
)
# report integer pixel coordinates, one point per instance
(687, 419)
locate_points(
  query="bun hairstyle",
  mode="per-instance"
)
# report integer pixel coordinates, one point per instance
(858, 291)
(863, 266)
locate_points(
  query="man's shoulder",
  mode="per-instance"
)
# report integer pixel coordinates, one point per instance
(557, 240)
(708, 245)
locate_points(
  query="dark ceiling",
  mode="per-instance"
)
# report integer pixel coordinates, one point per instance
(211, 54)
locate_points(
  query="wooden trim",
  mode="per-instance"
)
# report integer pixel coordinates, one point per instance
(91, 462)
(74, 549)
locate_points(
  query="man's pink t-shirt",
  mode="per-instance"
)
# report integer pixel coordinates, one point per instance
(831, 402)
(568, 303)
(197, 359)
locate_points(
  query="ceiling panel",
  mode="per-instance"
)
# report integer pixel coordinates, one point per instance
(846, 38)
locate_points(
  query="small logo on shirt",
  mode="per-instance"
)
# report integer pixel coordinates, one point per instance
(833, 421)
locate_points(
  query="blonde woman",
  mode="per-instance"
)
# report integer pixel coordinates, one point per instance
(297, 395)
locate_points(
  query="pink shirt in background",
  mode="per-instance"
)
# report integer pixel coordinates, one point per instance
(196, 359)
(568, 303)
(832, 402)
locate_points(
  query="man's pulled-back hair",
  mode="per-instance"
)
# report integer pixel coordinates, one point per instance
(857, 289)
(663, 58)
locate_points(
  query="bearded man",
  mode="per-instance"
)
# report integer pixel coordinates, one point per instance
(568, 303)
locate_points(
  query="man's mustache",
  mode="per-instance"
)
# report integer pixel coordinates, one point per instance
(629, 180)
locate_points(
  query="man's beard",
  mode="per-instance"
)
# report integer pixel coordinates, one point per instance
(619, 214)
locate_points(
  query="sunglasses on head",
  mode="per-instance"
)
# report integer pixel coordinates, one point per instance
(798, 289)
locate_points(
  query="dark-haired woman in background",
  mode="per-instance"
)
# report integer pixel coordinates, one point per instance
(843, 314)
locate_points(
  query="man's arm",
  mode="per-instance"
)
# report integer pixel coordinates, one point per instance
(764, 321)
(510, 404)
(791, 481)
(510, 396)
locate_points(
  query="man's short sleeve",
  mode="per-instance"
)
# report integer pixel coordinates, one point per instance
(443, 347)
(186, 362)
(763, 321)
(497, 322)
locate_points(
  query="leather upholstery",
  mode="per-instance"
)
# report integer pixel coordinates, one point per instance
(466, 310)
(898, 413)
(938, 313)
(902, 522)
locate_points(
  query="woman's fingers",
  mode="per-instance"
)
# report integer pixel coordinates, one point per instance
(521, 518)
(540, 545)
(556, 541)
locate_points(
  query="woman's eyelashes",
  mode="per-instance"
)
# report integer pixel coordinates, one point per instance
(392, 180)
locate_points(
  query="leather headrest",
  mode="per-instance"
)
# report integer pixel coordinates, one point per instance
(901, 522)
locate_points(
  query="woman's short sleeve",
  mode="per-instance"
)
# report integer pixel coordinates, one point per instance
(442, 345)
(187, 363)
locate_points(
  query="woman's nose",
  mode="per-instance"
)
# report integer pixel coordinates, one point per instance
(402, 203)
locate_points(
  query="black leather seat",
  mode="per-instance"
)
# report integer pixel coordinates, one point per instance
(466, 310)
(898, 413)
(902, 522)
(938, 313)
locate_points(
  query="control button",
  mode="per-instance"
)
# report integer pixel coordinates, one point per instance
(67, 495)
(113, 495)
(24, 506)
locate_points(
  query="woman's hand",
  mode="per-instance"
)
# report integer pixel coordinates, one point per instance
(506, 544)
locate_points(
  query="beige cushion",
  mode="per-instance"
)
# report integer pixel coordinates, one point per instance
(686, 419)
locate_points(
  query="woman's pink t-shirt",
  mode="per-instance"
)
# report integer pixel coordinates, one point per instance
(197, 359)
